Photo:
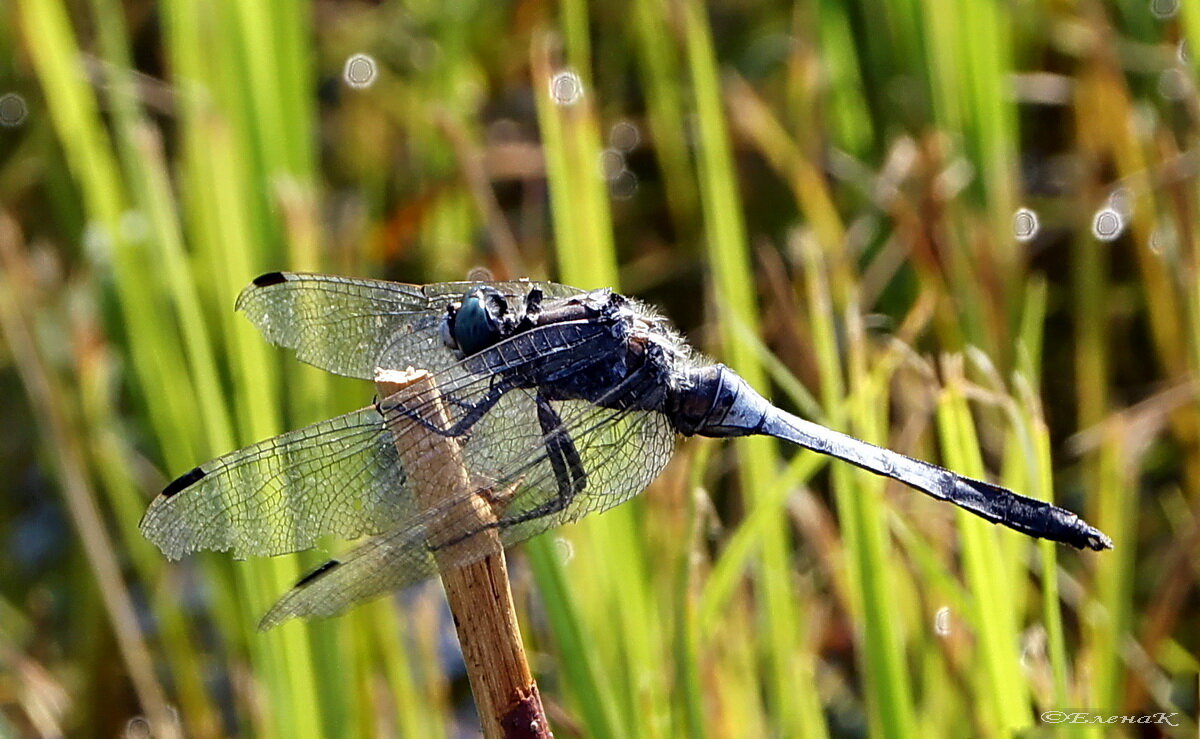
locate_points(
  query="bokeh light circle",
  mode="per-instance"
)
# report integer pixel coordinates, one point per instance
(566, 88)
(624, 186)
(612, 163)
(13, 110)
(1164, 9)
(1107, 224)
(624, 136)
(360, 71)
(1025, 224)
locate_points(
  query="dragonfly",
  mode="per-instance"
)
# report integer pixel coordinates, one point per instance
(569, 400)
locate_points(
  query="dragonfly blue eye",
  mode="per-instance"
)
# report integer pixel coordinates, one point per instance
(477, 322)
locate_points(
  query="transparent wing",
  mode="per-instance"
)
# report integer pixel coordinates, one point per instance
(622, 452)
(350, 327)
(341, 476)
(344, 476)
(381, 565)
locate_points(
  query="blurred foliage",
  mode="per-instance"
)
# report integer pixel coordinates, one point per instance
(964, 230)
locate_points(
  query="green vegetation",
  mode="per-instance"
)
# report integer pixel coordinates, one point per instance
(889, 216)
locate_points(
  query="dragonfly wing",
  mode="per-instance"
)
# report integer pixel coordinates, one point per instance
(379, 566)
(340, 476)
(623, 451)
(345, 476)
(350, 326)
(346, 326)
(509, 464)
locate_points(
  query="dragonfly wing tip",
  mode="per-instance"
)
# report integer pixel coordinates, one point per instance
(183, 482)
(270, 278)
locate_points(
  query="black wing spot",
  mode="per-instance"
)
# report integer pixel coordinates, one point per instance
(317, 573)
(183, 481)
(270, 278)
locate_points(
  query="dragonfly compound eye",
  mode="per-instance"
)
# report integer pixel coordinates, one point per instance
(479, 320)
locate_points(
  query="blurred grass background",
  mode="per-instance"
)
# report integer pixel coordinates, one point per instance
(966, 231)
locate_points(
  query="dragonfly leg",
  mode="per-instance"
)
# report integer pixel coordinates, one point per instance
(569, 474)
(468, 406)
(473, 411)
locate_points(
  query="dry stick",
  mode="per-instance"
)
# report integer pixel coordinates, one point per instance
(480, 600)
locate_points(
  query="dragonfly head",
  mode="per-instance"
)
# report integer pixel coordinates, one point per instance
(476, 323)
